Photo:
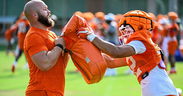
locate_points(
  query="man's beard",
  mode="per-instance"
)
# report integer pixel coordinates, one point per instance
(48, 22)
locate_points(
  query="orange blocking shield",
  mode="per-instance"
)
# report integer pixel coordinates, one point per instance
(86, 57)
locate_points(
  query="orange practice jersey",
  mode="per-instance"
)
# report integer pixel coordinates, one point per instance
(173, 30)
(173, 44)
(53, 80)
(145, 62)
(164, 32)
(156, 33)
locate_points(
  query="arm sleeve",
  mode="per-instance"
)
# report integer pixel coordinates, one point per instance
(138, 46)
(36, 44)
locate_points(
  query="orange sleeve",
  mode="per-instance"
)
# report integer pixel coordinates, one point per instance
(8, 35)
(114, 62)
(36, 44)
(9, 32)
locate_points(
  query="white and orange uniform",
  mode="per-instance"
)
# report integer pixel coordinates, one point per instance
(172, 43)
(23, 24)
(164, 34)
(146, 66)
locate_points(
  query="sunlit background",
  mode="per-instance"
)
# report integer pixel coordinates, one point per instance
(120, 83)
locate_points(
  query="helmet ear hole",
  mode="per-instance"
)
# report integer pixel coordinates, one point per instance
(140, 27)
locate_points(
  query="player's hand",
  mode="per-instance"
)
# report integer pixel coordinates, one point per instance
(61, 41)
(83, 32)
(86, 33)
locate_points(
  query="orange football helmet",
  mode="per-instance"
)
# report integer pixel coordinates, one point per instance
(172, 15)
(100, 15)
(139, 20)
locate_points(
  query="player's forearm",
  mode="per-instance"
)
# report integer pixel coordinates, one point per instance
(106, 47)
(113, 50)
(46, 60)
(53, 56)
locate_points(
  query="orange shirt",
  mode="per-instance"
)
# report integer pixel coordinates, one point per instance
(53, 80)
(9, 32)
(156, 33)
(173, 30)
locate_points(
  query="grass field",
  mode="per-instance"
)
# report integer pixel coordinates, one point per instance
(119, 85)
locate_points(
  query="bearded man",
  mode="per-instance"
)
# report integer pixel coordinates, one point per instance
(43, 51)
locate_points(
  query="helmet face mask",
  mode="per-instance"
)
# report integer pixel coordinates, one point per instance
(126, 31)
